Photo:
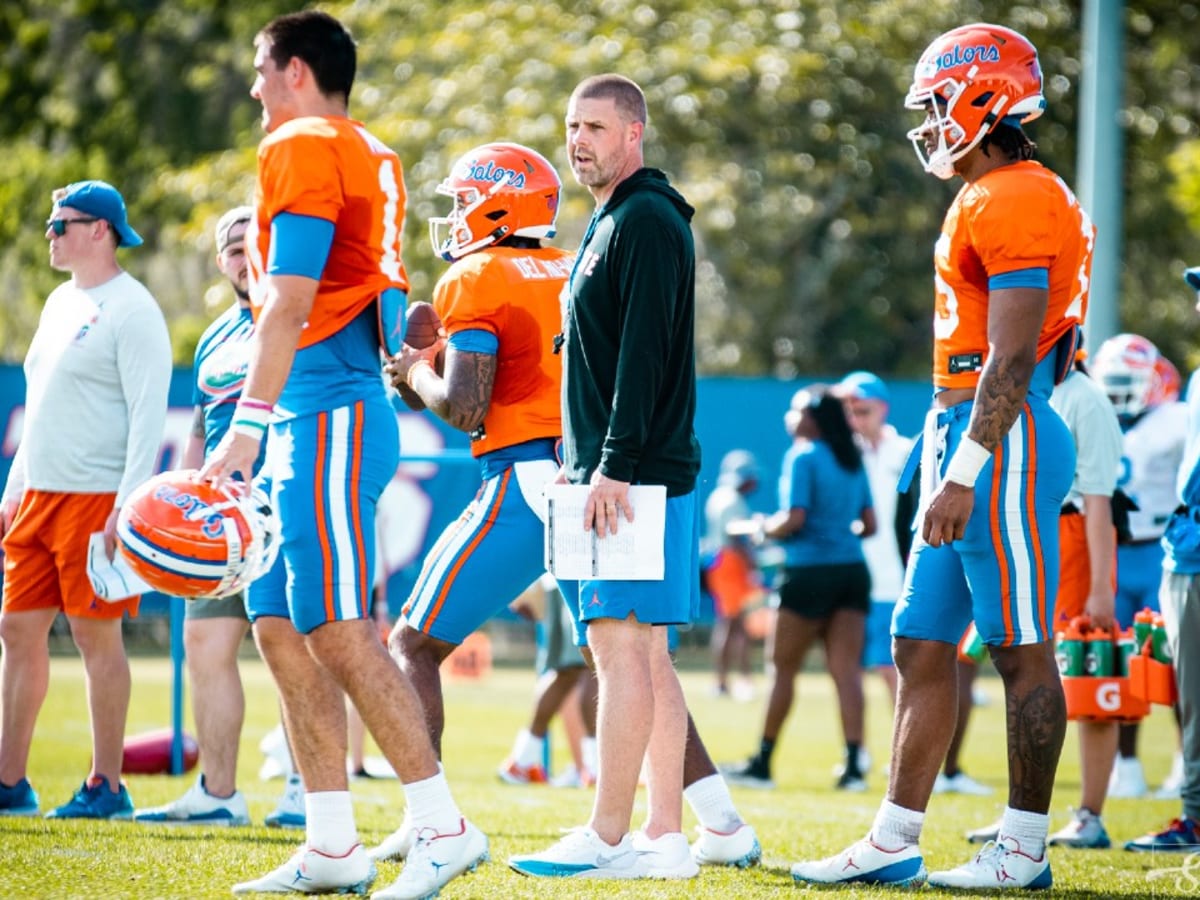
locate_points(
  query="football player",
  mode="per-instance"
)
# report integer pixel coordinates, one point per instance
(499, 306)
(1012, 267)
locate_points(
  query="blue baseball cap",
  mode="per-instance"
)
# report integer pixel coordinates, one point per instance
(102, 200)
(1192, 277)
(737, 468)
(863, 386)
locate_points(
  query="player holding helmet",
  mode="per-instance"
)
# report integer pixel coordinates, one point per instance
(499, 306)
(1012, 265)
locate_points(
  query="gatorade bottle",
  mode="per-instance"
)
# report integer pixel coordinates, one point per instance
(1143, 625)
(1159, 649)
(1070, 651)
(1126, 648)
(971, 647)
(1098, 658)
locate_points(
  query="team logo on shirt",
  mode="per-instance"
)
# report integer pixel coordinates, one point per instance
(85, 328)
(223, 372)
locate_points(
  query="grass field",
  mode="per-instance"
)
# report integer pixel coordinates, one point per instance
(803, 818)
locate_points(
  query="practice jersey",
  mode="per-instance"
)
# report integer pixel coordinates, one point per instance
(336, 170)
(513, 294)
(1151, 455)
(222, 358)
(1017, 217)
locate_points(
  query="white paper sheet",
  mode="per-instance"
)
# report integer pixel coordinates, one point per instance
(634, 553)
(112, 580)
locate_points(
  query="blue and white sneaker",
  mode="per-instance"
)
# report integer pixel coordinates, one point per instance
(666, 856)
(434, 860)
(866, 863)
(398, 844)
(96, 802)
(19, 800)
(999, 865)
(1180, 836)
(583, 854)
(198, 807)
(310, 871)
(290, 812)
(739, 848)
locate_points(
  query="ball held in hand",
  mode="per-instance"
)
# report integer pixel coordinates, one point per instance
(423, 325)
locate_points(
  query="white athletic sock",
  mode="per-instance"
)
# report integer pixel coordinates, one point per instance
(1029, 829)
(430, 804)
(528, 750)
(896, 827)
(589, 750)
(330, 822)
(710, 801)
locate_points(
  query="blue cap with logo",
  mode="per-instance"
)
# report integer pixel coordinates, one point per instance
(102, 200)
(863, 386)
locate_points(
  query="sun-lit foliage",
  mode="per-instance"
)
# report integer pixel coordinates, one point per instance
(781, 120)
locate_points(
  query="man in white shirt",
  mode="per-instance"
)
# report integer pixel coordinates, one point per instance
(97, 373)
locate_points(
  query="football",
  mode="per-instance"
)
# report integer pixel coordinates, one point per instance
(423, 325)
(189, 539)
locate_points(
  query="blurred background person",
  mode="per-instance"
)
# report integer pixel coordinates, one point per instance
(1143, 386)
(824, 513)
(731, 573)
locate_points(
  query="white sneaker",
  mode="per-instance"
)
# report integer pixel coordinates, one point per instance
(582, 854)
(198, 807)
(1085, 830)
(960, 783)
(277, 761)
(1000, 864)
(1172, 785)
(1127, 779)
(434, 860)
(397, 844)
(866, 863)
(290, 812)
(666, 856)
(310, 871)
(738, 848)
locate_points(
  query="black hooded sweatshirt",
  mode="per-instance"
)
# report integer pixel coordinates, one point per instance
(629, 375)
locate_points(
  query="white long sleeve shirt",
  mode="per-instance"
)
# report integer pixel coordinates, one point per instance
(96, 375)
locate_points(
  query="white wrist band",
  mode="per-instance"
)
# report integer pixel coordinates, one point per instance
(967, 462)
(251, 417)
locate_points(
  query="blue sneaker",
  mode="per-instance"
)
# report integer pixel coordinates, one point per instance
(1181, 836)
(96, 802)
(19, 800)
(290, 813)
(866, 863)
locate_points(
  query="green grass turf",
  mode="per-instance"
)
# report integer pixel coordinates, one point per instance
(803, 818)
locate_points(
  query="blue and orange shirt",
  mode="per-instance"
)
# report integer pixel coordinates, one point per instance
(505, 300)
(1017, 221)
(332, 170)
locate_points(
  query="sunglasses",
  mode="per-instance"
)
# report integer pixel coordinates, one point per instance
(59, 226)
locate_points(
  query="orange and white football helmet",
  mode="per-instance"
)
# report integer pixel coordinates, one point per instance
(189, 539)
(500, 191)
(1135, 375)
(966, 82)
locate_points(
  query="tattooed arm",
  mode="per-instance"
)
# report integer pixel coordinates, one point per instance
(461, 395)
(1014, 321)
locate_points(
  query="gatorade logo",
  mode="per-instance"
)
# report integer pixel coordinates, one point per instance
(1108, 696)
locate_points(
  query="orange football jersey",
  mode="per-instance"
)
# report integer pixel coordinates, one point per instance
(1019, 216)
(336, 170)
(512, 293)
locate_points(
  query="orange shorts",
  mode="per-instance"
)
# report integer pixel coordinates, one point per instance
(1074, 570)
(733, 583)
(45, 555)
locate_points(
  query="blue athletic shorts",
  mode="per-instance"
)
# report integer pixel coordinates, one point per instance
(1139, 576)
(1004, 572)
(327, 471)
(484, 558)
(877, 650)
(673, 601)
